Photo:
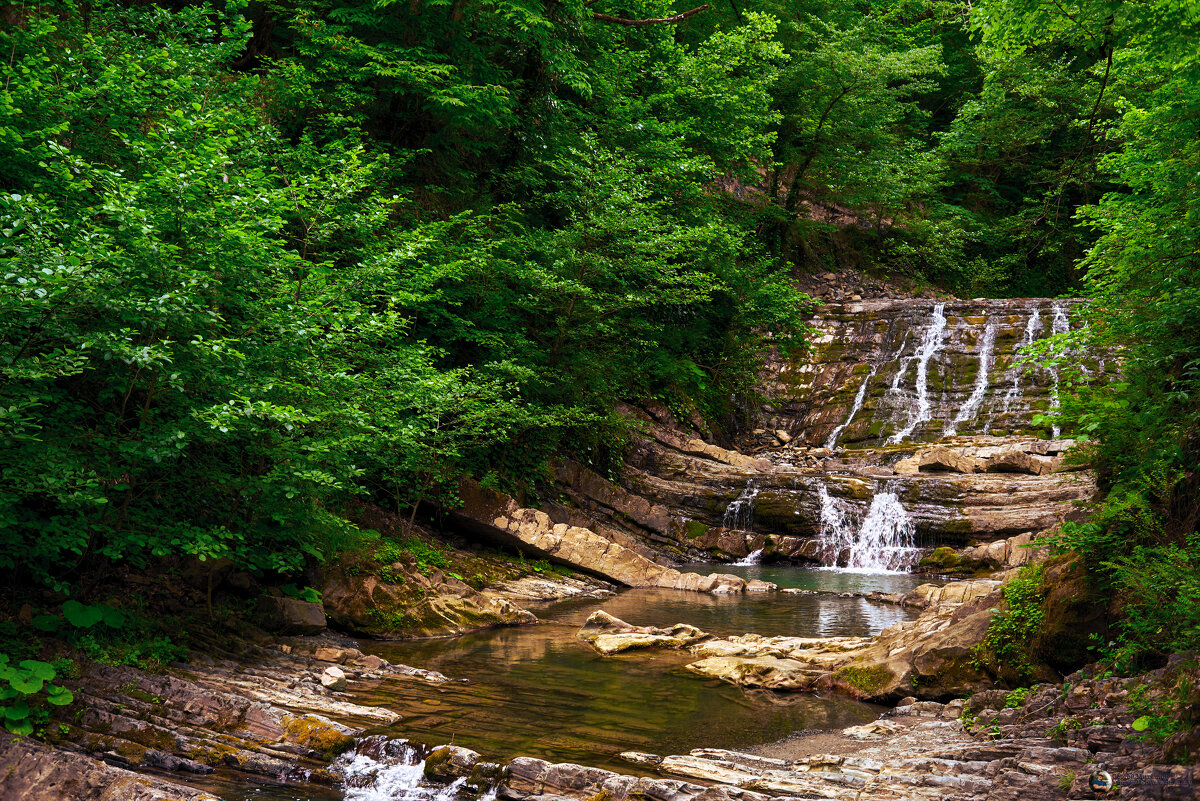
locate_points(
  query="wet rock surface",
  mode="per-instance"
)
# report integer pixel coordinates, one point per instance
(426, 606)
(931, 656)
(918, 750)
(610, 635)
(32, 771)
(276, 711)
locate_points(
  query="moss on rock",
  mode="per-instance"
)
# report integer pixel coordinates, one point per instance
(320, 735)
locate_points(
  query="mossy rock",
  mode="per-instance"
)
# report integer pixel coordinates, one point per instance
(866, 680)
(450, 762)
(134, 752)
(942, 560)
(318, 734)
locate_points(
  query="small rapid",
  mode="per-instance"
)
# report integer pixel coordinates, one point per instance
(751, 559)
(384, 769)
(883, 542)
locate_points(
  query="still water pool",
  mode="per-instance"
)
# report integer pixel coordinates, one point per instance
(539, 691)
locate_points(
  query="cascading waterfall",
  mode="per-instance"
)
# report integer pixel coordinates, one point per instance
(740, 512)
(854, 409)
(883, 542)
(971, 406)
(751, 559)
(382, 769)
(886, 540)
(1058, 325)
(931, 342)
(1014, 374)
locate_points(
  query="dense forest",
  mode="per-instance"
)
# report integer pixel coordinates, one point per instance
(262, 260)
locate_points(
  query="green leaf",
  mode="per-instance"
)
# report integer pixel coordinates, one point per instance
(59, 696)
(42, 670)
(26, 683)
(22, 727)
(113, 618)
(47, 622)
(18, 711)
(1142, 723)
(80, 616)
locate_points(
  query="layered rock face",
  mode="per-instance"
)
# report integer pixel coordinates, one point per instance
(890, 371)
(907, 425)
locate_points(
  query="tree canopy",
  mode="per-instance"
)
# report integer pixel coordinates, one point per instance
(262, 259)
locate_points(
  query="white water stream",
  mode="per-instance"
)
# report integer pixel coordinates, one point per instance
(971, 406)
(1058, 325)
(379, 769)
(854, 409)
(740, 512)
(753, 558)
(931, 343)
(884, 542)
(1014, 373)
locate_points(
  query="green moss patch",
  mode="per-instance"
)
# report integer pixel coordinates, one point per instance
(867, 680)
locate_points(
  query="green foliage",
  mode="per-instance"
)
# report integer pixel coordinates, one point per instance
(426, 556)
(1064, 729)
(112, 636)
(23, 690)
(1143, 279)
(309, 594)
(1016, 698)
(408, 244)
(1008, 644)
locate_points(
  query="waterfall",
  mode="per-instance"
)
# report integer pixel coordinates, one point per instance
(753, 558)
(381, 769)
(971, 406)
(884, 542)
(931, 342)
(886, 539)
(1058, 325)
(740, 512)
(1027, 338)
(854, 409)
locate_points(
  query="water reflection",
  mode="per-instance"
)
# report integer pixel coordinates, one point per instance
(821, 578)
(539, 691)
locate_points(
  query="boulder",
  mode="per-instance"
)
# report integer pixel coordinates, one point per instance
(611, 635)
(289, 615)
(333, 678)
(768, 672)
(450, 762)
(422, 607)
(1017, 461)
(945, 460)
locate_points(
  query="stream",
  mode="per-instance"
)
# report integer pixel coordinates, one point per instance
(539, 691)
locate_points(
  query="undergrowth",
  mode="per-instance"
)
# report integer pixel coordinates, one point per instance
(1007, 646)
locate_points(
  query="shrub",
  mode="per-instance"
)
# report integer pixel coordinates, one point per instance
(1007, 647)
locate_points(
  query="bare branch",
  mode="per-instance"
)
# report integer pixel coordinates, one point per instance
(664, 20)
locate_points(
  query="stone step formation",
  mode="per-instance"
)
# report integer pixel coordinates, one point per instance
(885, 372)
